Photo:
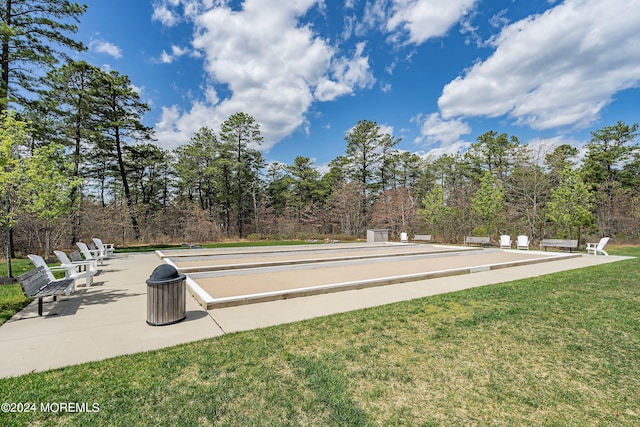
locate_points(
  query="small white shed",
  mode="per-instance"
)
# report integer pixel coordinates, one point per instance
(377, 235)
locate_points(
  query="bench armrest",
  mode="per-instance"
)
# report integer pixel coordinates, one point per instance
(92, 264)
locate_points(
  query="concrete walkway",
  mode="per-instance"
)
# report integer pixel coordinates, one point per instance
(109, 318)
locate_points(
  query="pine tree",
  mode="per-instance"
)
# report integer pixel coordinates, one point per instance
(31, 31)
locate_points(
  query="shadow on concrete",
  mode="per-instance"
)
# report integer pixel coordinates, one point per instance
(195, 315)
(69, 305)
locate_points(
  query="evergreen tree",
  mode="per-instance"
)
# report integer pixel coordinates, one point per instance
(119, 113)
(67, 105)
(239, 132)
(494, 152)
(32, 31)
(304, 185)
(610, 149)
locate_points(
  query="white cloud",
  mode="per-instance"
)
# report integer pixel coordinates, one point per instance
(386, 129)
(273, 68)
(102, 46)
(176, 128)
(435, 130)
(553, 70)
(350, 4)
(444, 136)
(456, 147)
(421, 20)
(176, 52)
(165, 16)
(165, 58)
(499, 20)
(346, 74)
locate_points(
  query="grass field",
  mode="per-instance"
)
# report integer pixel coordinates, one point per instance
(561, 349)
(11, 297)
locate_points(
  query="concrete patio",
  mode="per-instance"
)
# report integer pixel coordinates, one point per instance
(109, 318)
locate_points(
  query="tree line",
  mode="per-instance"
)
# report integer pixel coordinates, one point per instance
(78, 161)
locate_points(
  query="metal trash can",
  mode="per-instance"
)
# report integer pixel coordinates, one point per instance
(166, 296)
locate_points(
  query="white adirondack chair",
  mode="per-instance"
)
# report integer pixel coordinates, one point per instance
(89, 254)
(404, 238)
(38, 261)
(87, 264)
(70, 271)
(598, 247)
(505, 242)
(106, 248)
(522, 242)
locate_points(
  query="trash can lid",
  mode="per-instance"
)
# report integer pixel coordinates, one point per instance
(163, 273)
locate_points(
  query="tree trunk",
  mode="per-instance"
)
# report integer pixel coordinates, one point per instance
(8, 252)
(125, 186)
(4, 104)
(4, 90)
(239, 190)
(47, 243)
(75, 194)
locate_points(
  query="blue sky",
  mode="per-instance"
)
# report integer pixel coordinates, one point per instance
(436, 73)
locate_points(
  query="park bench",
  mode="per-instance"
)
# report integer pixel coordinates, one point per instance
(472, 240)
(191, 246)
(422, 237)
(36, 284)
(559, 243)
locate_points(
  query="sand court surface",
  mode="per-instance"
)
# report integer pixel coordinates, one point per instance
(231, 277)
(229, 260)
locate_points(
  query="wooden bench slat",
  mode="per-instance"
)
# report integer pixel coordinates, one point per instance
(54, 288)
(477, 240)
(36, 285)
(33, 280)
(559, 243)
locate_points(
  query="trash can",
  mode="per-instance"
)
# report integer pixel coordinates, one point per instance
(166, 296)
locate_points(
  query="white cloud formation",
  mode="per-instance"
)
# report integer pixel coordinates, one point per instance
(273, 68)
(164, 15)
(176, 52)
(350, 4)
(553, 70)
(443, 136)
(425, 19)
(102, 46)
(346, 74)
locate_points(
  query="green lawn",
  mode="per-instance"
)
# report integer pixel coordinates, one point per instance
(562, 349)
(11, 297)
